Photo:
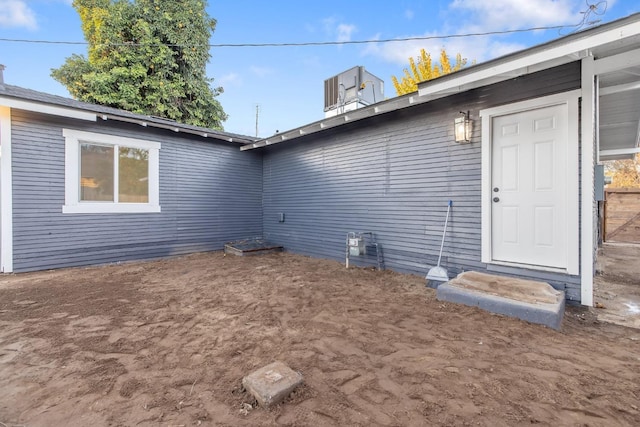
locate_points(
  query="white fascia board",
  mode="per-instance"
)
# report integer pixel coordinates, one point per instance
(551, 57)
(37, 107)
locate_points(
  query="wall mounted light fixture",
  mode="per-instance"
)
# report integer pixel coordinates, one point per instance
(462, 127)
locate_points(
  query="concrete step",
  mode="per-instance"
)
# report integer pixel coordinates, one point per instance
(533, 301)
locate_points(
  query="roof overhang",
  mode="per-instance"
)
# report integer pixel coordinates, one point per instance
(378, 109)
(557, 52)
(54, 110)
(145, 121)
(617, 37)
(175, 127)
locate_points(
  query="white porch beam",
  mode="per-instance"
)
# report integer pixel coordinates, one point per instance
(617, 62)
(610, 90)
(619, 152)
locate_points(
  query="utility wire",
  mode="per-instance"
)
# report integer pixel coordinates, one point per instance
(325, 43)
(598, 8)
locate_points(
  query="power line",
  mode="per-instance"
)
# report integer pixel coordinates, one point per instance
(289, 44)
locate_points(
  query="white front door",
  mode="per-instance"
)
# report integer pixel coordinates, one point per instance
(529, 187)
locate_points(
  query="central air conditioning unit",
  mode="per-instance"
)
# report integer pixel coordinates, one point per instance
(352, 89)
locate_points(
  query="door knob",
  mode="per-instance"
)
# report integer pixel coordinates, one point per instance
(496, 199)
(496, 189)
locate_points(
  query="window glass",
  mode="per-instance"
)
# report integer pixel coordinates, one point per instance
(110, 174)
(96, 173)
(133, 175)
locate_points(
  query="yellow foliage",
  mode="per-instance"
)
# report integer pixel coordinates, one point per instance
(425, 70)
(93, 18)
(625, 173)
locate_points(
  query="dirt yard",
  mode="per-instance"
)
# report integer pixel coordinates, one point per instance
(617, 285)
(167, 343)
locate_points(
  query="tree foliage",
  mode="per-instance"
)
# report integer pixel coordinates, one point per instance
(147, 57)
(624, 173)
(424, 69)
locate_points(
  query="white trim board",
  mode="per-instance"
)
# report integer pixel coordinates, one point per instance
(73, 205)
(588, 159)
(570, 99)
(6, 195)
(47, 109)
(619, 151)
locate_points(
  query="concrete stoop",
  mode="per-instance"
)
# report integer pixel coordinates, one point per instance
(535, 302)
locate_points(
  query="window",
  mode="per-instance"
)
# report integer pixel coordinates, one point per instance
(110, 174)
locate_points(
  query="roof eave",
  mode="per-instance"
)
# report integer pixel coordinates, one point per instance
(554, 53)
(342, 119)
(92, 114)
(551, 54)
(50, 109)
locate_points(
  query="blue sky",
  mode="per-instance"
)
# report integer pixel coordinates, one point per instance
(287, 82)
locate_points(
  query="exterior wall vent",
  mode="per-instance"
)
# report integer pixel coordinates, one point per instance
(330, 92)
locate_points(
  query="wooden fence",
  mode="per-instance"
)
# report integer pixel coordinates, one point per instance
(622, 215)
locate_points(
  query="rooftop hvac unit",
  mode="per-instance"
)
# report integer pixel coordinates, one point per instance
(352, 89)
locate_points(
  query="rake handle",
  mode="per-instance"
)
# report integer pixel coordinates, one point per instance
(444, 233)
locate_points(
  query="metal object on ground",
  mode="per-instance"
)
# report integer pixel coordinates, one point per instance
(363, 244)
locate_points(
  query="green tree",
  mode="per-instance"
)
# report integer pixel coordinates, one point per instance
(147, 57)
(424, 69)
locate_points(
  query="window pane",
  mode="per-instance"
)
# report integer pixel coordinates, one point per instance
(133, 175)
(96, 173)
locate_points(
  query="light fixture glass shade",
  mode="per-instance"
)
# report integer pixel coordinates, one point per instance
(462, 129)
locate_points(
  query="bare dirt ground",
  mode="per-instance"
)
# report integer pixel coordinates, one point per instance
(168, 342)
(617, 285)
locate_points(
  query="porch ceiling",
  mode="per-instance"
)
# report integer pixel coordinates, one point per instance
(619, 105)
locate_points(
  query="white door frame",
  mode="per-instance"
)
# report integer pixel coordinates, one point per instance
(6, 195)
(570, 99)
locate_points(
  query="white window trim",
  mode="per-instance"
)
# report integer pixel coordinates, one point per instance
(570, 99)
(73, 205)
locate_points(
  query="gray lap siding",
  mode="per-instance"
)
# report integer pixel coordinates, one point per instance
(210, 193)
(393, 176)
